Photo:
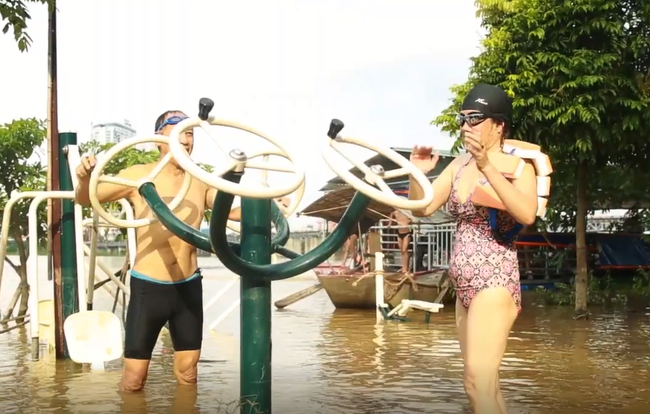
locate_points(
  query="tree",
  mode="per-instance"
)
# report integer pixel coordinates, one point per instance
(14, 15)
(578, 72)
(17, 142)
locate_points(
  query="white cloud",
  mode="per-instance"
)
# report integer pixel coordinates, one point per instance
(283, 67)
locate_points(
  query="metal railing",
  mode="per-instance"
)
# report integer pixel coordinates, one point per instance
(85, 286)
(431, 246)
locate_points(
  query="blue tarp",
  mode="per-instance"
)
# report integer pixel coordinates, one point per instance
(615, 250)
(623, 251)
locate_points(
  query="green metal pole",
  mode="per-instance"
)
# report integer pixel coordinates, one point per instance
(68, 255)
(255, 310)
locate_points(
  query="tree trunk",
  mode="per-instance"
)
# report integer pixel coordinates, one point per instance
(582, 271)
(24, 295)
(9, 313)
(24, 285)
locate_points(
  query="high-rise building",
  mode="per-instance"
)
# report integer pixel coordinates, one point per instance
(112, 132)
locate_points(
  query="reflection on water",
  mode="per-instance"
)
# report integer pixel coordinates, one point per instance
(328, 361)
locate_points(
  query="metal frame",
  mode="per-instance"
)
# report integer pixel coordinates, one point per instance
(435, 239)
(82, 250)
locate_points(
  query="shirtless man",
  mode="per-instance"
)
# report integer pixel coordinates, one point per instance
(351, 250)
(403, 236)
(166, 283)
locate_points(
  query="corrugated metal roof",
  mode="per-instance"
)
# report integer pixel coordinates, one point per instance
(332, 205)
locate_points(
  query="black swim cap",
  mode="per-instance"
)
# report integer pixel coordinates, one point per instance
(490, 100)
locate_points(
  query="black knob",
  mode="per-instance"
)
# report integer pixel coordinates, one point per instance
(205, 107)
(335, 127)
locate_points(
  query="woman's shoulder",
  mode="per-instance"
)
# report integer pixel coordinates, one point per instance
(459, 162)
(462, 158)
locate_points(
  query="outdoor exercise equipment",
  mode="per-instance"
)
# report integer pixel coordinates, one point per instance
(96, 177)
(76, 289)
(295, 200)
(374, 186)
(235, 160)
(253, 260)
(93, 337)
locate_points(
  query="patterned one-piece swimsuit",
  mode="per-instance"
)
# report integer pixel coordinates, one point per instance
(478, 260)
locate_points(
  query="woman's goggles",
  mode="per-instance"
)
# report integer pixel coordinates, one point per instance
(472, 119)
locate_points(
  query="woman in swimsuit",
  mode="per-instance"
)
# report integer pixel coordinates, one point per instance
(484, 268)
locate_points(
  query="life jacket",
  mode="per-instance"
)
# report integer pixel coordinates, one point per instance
(510, 162)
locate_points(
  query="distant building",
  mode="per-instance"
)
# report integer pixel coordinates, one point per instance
(112, 132)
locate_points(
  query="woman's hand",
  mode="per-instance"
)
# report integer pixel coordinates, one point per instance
(474, 146)
(424, 158)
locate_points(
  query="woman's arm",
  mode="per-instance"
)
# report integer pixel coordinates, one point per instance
(519, 196)
(441, 190)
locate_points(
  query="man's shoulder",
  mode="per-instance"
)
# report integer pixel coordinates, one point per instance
(136, 170)
(200, 185)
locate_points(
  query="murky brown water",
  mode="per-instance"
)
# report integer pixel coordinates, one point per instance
(328, 361)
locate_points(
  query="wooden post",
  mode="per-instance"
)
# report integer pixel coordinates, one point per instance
(379, 285)
(53, 168)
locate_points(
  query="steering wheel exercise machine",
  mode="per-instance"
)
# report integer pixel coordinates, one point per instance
(251, 258)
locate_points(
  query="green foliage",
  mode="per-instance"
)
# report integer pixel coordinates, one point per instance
(605, 290)
(17, 173)
(127, 158)
(579, 76)
(14, 15)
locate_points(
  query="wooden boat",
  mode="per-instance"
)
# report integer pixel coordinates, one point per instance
(357, 290)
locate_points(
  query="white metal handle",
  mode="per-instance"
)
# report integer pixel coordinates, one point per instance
(286, 210)
(97, 177)
(235, 160)
(373, 183)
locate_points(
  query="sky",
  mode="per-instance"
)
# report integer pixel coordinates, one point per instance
(284, 67)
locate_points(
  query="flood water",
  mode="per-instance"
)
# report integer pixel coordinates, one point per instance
(339, 361)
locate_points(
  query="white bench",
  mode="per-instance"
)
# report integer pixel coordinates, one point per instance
(407, 304)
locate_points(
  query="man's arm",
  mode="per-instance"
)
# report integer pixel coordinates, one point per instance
(346, 250)
(391, 219)
(107, 192)
(211, 194)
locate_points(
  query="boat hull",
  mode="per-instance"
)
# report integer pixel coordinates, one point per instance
(357, 291)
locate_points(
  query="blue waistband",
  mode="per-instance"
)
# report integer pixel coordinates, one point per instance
(142, 276)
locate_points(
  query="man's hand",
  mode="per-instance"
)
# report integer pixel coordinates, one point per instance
(285, 201)
(87, 165)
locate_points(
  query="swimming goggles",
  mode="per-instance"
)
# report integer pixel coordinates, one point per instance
(172, 120)
(472, 119)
